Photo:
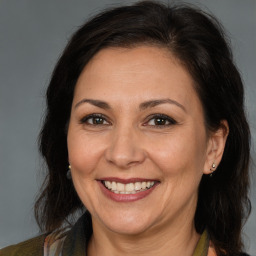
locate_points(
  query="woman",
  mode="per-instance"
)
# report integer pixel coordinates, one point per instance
(145, 129)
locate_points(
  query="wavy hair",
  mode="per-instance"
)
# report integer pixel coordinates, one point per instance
(199, 42)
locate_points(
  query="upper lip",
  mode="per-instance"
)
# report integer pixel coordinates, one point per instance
(126, 181)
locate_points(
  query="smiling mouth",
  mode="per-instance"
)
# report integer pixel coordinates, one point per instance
(129, 188)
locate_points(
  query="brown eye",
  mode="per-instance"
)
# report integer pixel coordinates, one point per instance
(97, 120)
(161, 120)
(94, 119)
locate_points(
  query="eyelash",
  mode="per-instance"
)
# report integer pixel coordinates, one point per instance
(153, 117)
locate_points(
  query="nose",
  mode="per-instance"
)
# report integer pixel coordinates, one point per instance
(125, 149)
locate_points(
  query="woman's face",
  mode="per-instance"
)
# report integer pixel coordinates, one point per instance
(137, 141)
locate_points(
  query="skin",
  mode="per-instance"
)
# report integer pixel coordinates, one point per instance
(129, 143)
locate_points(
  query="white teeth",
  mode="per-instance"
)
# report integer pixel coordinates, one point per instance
(113, 186)
(130, 188)
(138, 185)
(120, 187)
(108, 184)
(143, 185)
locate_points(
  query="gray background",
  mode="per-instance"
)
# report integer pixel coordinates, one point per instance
(32, 36)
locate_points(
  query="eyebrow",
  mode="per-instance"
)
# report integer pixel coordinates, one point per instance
(142, 106)
(154, 103)
(97, 103)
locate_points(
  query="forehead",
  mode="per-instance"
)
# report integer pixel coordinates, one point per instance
(140, 73)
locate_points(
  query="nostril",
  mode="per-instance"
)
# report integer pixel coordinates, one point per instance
(124, 148)
(124, 158)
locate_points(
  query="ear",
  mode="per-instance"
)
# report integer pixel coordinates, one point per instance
(215, 148)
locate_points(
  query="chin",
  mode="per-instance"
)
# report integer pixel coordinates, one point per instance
(128, 228)
(127, 224)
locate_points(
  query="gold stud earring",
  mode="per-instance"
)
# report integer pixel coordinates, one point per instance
(68, 174)
(212, 169)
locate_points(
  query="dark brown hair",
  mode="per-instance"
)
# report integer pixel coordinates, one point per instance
(198, 41)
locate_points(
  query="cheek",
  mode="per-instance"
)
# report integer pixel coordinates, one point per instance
(180, 160)
(84, 151)
(180, 153)
(84, 154)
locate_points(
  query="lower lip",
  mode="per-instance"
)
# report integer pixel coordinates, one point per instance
(125, 197)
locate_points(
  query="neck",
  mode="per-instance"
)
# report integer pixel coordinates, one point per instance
(175, 241)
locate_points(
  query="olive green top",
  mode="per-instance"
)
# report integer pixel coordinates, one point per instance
(202, 245)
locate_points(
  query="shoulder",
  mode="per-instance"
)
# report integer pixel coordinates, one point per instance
(47, 244)
(31, 247)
